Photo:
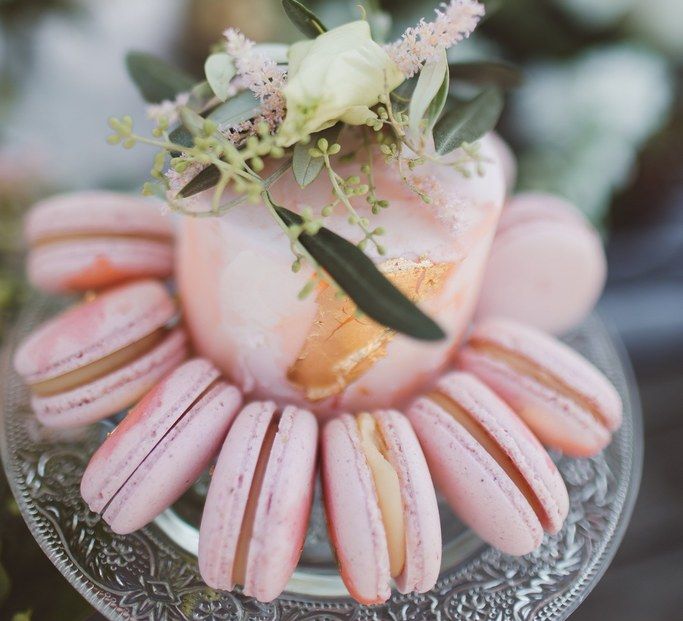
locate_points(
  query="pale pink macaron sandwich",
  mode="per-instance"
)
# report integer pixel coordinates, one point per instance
(381, 506)
(259, 501)
(101, 355)
(547, 265)
(91, 240)
(494, 473)
(162, 446)
(567, 402)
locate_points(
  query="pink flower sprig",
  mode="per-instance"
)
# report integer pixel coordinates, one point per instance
(454, 22)
(259, 74)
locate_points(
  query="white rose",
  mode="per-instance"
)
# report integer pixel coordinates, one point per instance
(336, 77)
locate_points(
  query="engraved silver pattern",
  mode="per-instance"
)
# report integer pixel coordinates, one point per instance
(147, 576)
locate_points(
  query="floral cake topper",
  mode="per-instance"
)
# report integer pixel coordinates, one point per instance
(260, 103)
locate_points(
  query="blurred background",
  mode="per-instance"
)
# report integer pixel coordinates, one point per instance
(599, 120)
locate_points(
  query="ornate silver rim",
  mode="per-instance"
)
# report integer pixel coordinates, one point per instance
(147, 576)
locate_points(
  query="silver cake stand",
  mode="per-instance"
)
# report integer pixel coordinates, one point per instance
(152, 574)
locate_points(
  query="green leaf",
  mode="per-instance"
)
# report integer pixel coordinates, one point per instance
(429, 85)
(192, 121)
(156, 80)
(219, 70)
(307, 168)
(360, 279)
(204, 180)
(438, 103)
(468, 121)
(304, 19)
(4, 585)
(209, 177)
(403, 93)
(239, 108)
(484, 72)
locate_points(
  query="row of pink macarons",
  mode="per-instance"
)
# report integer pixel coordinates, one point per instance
(105, 353)
(547, 266)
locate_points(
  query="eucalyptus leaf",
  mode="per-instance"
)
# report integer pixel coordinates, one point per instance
(235, 110)
(359, 278)
(303, 18)
(192, 121)
(468, 121)
(277, 52)
(307, 168)
(156, 80)
(219, 70)
(504, 75)
(429, 84)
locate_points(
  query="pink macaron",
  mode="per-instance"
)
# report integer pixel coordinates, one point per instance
(381, 506)
(102, 355)
(91, 240)
(259, 501)
(492, 470)
(563, 398)
(547, 265)
(161, 447)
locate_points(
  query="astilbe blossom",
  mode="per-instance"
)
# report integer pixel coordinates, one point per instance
(259, 74)
(454, 21)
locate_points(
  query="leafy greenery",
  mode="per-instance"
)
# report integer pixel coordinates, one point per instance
(219, 70)
(306, 168)
(360, 279)
(468, 121)
(303, 18)
(155, 78)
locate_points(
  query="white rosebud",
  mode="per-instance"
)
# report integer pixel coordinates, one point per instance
(338, 76)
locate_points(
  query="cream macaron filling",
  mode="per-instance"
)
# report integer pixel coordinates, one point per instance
(387, 488)
(99, 368)
(48, 240)
(239, 571)
(527, 367)
(489, 444)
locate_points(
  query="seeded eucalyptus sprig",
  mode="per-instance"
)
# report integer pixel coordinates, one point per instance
(215, 135)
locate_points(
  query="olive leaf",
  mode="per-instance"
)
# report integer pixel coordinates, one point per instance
(304, 19)
(239, 108)
(156, 80)
(219, 70)
(203, 180)
(210, 176)
(429, 86)
(306, 168)
(359, 278)
(501, 74)
(468, 121)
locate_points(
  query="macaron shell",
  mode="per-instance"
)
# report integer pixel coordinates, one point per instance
(228, 494)
(477, 488)
(92, 330)
(115, 391)
(353, 514)
(421, 512)
(558, 422)
(135, 437)
(547, 265)
(284, 506)
(96, 213)
(83, 264)
(176, 462)
(527, 455)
